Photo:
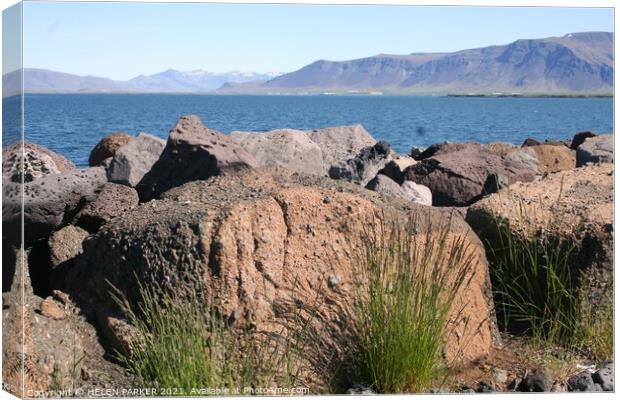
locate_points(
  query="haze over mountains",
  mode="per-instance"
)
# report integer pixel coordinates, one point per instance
(577, 63)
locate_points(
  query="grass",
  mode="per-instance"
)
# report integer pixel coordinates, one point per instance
(409, 280)
(182, 342)
(537, 292)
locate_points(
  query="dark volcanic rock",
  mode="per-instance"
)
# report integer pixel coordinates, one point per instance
(579, 138)
(133, 160)
(582, 382)
(539, 380)
(38, 161)
(113, 200)
(107, 147)
(193, 152)
(396, 167)
(49, 202)
(530, 142)
(605, 377)
(456, 175)
(364, 166)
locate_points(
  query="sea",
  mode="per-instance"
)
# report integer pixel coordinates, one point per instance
(72, 124)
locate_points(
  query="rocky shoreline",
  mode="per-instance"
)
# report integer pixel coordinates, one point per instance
(251, 216)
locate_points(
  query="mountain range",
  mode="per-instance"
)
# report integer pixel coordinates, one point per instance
(169, 81)
(576, 63)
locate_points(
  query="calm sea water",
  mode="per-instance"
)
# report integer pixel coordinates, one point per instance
(72, 124)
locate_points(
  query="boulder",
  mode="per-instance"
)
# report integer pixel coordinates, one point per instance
(133, 160)
(193, 152)
(287, 148)
(605, 377)
(456, 174)
(66, 244)
(395, 168)
(49, 202)
(539, 380)
(114, 200)
(530, 142)
(502, 148)
(364, 166)
(38, 161)
(265, 242)
(408, 191)
(553, 158)
(596, 149)
(107, 147)
(581, 382)
(573, 206)
(340, 143)
(579, 138)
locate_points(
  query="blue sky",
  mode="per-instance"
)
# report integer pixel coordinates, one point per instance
(122, 40)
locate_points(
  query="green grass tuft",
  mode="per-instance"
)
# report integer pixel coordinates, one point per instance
(408, 285)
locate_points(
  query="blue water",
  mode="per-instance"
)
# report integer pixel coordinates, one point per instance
(73, 124)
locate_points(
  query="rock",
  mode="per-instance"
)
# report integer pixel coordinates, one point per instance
(364, 166)
(193, 152)
(539, 380)
(500, 376)
(417, 193)
(114, 200)
(50, 309)
(440, 148)
(456, 174)
(502, 148)
(554, 158)
(605, 377)
(597, 387)
(530, 142)
(526, 157)
(599, 149)
(49, 202)
(408, 191)
(273, 228)
(360, 389)
(340, 143)
(133, 160)
(579, 138)
(416, 152)
(395, 168)
(66, 244)
(494, 184)
(581, 382)
(574, 207)
(484, 387)
(107, 147)
(38, 161)
(288, 148)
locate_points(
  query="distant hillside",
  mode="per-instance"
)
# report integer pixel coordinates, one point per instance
(170, 81)
(571, 64)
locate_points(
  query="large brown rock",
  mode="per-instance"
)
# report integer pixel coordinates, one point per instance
(456, 173)
(574, 206)
(107, 147)
(287, 148)
(66, 244)
(554, 158)
(193, 152)
(265, 242)
(38, 161)
(112, 201)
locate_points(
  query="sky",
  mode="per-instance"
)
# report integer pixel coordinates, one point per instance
(123, 40)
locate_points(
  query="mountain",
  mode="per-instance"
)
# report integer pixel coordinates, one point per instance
(192, 81)
(577, 63)
(46, 81)
(170, 81)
